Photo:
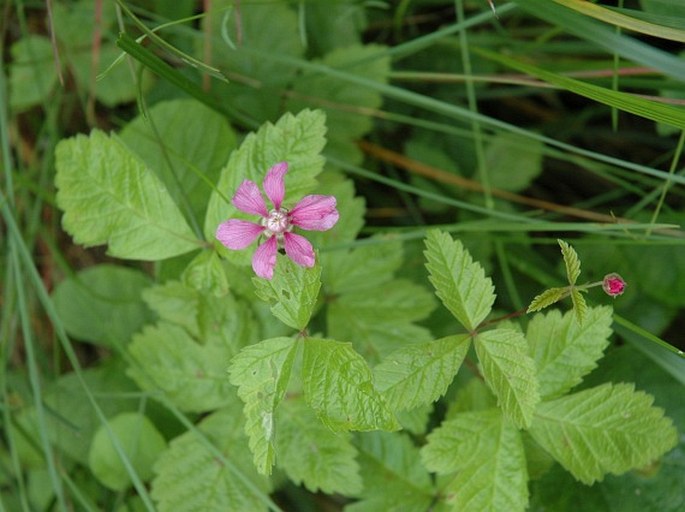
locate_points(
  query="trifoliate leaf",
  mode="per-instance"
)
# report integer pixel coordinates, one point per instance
(394, 478)
(312, 455)
(571, 261)
(292, 293)
(192, 376)
(185, 144)
(564, 350)
(262, 372)
(339, 386)
(211, 475)
(110, 197)
(349, 123)
(546, 299)
(607, 429)
(111, 296)
(459, 282)
(140, 441)
(420, 373)
(579, 305)
(297, 140)
(487, 453)
(510, 373)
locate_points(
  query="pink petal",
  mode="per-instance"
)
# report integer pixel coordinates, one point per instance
(238, 234)
(274, 185)
(264, 259)
(315, 213)
(249, 199)
(299, 249)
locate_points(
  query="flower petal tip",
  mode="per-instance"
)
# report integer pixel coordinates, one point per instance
(315, 213)
(248, 199)
(237, 234)
(274, 183)
(264, 258)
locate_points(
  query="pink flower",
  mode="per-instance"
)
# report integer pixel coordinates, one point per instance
(312, 213)
(613, 284)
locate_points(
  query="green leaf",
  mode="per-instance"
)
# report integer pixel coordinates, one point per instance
(190, 476)
(420, 373)
(73, 422)
(115, 84)
(262, 372)
(379, 320)
(415, 420)
(221, 323)
(292, 293)
(297, 140)
(365, 268)
(206, 273)
(607, 429)
(32, 72)
(166, 359)
(141, 442)
(621, 20)
(312, 455)
(111, 296)
(579, 305)
(668, 10)
(571, 261)
(76, 22)
(487, 453)
(459, 282)
(475, 395)
(347, 124)
(510, 373)
(634, 104)
(513, 161)
(338, 385)
(564, 350)
(334, 25)
(547, 298)
(175, 303)
(254, 44)
(185, 144)
(110, 197)
(227, 324)
(75, 29)
(393, 475)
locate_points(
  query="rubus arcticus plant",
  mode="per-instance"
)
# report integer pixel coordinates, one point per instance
(278, 370)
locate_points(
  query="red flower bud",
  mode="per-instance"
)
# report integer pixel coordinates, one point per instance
(613, 285)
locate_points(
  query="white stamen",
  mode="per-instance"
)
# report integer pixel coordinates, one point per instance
(276, 223)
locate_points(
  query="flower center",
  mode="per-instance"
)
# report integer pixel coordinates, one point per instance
(277, 222)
